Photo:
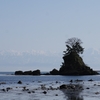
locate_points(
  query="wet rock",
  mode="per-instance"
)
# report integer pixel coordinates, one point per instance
(33, 91)
(36, 72)
(97, 93)
(50, 87)
(24, 87)
(43, 87)
(19, 82)
(3, 90)
(2, 83)
(71, 86)
(56, 94)
(8, 88)
(18, 72)
(90, 80)
(57, 82)
(54, 72)
(29, 92)
(71, 81)
(27, 89)
(87, 88)
(44, 92)
(64, 86)
(27, 73)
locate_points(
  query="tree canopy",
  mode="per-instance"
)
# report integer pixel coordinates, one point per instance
(74, 45)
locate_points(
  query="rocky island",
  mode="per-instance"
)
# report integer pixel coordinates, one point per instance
(73, 63)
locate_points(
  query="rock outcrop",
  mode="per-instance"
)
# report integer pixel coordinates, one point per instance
(35, 72)
(18, 72)
(74, 65)
(54, 72)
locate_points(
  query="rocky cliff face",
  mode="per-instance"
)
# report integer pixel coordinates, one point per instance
(74, 65)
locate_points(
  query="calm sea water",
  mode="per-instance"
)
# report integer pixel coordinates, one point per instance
(10, 77)
(32, 82)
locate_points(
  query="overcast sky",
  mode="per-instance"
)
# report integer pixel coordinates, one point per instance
(45, 25)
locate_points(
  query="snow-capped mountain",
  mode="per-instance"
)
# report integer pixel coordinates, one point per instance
(92, 58)
(13, 60)
(30, 60)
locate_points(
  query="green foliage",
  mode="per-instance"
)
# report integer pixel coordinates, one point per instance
(73, 45)
(73, 64)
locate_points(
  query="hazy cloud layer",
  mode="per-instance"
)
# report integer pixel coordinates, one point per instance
(46, 61)
(32, 60)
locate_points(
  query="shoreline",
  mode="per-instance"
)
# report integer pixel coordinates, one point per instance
(41, 90)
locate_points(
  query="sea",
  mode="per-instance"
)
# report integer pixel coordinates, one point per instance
(10, 77)
(91, 89)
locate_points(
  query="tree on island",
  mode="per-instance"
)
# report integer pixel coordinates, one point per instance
(74, 45)
(73, 64)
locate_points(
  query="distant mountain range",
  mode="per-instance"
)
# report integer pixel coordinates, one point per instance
(92, 58)
(43, 60)
(30, 60)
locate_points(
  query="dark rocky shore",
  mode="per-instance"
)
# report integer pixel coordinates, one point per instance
(35, 72)
(73, 65)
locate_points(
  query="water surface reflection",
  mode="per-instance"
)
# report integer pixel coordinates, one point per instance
(73, 92)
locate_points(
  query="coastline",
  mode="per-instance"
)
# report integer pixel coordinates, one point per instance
(50, 88)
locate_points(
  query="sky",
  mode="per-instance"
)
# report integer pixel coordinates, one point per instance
(45, 25)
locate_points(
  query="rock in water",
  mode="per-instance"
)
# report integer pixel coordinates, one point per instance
(19, 82)
(74, 65)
